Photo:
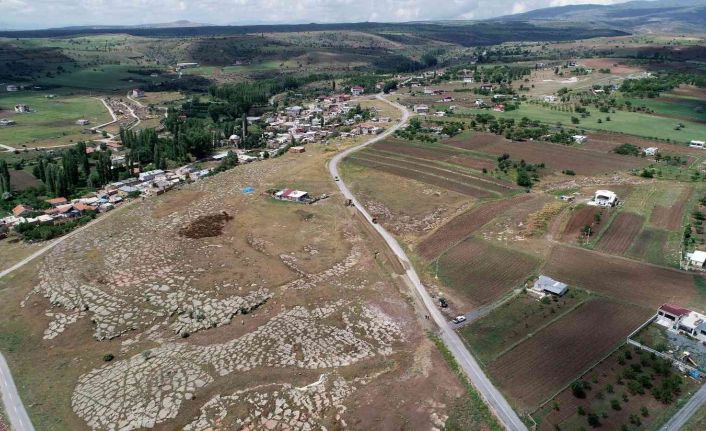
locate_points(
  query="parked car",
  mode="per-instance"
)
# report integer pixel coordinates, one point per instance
(443, 303)
(459, 319)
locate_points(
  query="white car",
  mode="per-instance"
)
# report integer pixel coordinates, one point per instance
(459, 319)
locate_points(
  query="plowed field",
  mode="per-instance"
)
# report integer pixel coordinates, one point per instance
(621, 233)
(581, 217)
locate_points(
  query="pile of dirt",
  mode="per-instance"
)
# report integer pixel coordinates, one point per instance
(206, 226)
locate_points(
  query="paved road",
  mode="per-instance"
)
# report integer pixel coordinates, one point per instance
(497, 403)
(682, 416)
(19, 420)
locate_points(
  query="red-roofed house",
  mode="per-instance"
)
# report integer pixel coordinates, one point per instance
(357, 90)
(292, 195)
(672, 312)
(55, 202)
(21, 210)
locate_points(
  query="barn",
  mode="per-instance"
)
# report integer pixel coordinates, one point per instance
(549, 285)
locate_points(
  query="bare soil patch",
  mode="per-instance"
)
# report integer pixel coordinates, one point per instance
(481, 272)
(536, 368)
(206, 226)
(621, 233)
(640, 283)
(21, 180)
(555, 157)
(463, 225)
(443, 182)
(583, 216)
(671, 217)
(614, 64)
(605, 142)
(690, 91)
(438, 154)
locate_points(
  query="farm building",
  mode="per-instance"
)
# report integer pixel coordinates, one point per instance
(12, 88)
(697, 144)
(137, 93)
(22, 108)
(421, 109)
(549, 285)
(697, 258)
(83, 122)
(6, 122)
(580, 139)
(468, 80)
(550, 99)
(357, 90)
(294, 110)
(297, 150)
(292, 195)
(651, 151)
(186, 65)
(604, 198)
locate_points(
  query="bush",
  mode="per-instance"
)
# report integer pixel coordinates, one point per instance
(627, 150)
(593, 420)
(108, 357)
(615, 404)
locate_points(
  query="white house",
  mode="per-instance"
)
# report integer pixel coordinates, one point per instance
(697, 258)
(697, 144)
(186, 65)
(12, 88)
(292, 195)
(137, 93)
(604, 198)
(468, 80)
(83, 122)
(651, 151)
(580, 139)
(357, 90)
(550, 98)
(294, 110)
(21, 108)
(6, 122)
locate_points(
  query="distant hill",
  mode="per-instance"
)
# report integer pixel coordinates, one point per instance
(175, 24)
(662, 15)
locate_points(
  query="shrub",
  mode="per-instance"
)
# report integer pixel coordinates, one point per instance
(615, 404)
(108, 357)
(593, 420)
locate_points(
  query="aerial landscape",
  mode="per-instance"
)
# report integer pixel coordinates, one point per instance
(323, 215)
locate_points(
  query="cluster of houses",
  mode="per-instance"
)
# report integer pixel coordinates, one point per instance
(62, 210)
(313, 123)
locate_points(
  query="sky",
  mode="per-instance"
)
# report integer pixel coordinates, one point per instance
(32, 14)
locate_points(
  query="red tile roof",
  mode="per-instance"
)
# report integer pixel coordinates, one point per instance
(674, 309)
(20, 209)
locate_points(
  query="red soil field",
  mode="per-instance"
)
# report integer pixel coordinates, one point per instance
(691, 91)
(672, 217)
(619, 236)
(581, 217)
(557, 157)
(610, 63)
(481, 272)
(463, 225)
(606, 142)
(445, 183)
(535, 369)
(477, 142)
(449, 155)
(487, 182)
(640, 283)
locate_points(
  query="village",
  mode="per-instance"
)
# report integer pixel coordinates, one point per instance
(286, 130)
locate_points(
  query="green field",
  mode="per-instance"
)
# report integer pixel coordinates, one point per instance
(52, 123)
(105, 77)
(678, 107)
(632, 123)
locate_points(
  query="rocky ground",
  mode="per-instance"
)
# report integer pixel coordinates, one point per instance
(279, 319)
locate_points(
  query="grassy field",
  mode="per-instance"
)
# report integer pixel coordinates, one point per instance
(53, 121)
(105, 77)
(632, 123)
(676, 107)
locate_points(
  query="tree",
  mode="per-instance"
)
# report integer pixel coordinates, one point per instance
(4, 178)
(578, 388)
